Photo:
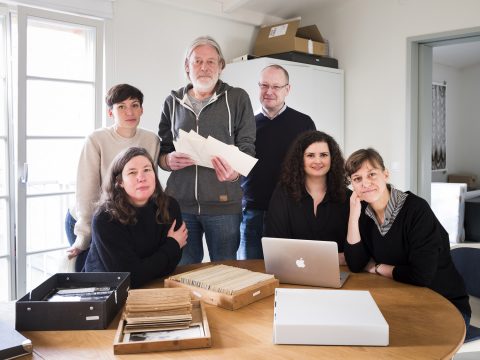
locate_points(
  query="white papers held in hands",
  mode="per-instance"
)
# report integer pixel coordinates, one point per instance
(202, 150)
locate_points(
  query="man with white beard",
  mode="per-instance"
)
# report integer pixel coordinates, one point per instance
(210, 199)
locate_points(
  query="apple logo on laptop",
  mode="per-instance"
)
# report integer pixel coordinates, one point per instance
(300, 263)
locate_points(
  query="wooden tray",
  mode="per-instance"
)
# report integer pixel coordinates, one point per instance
(122, 343)
(239, 299)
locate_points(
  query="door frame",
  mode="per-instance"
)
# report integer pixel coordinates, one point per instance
(8, 114)
(21, 172)
(419, 102)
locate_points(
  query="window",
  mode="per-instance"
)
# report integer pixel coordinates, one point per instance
(5, 199)
(58, 60)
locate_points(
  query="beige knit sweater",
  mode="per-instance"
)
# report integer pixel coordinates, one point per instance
(100, 148)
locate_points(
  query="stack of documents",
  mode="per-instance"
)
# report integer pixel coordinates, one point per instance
(157, 309)
(222, 278)
(79, 294)
(202, 150)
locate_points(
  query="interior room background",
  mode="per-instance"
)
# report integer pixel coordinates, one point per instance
(145, 41)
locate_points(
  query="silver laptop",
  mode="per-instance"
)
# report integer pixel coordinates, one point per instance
(303, 262)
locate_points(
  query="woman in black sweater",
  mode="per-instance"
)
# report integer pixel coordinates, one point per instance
(311, 200)
(395, 234)
(137, 228)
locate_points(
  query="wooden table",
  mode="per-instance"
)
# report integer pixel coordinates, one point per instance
(423, 325)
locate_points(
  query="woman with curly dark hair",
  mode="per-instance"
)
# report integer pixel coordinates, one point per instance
(311, 199)
(137, 228)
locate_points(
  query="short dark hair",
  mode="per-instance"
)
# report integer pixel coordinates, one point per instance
(292, 177)
(122, 92)
(359, 157)
(114, 200)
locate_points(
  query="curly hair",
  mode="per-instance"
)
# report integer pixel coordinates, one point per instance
(115, 201)
(292, 177)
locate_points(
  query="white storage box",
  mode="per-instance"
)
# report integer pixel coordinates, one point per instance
(328, 317)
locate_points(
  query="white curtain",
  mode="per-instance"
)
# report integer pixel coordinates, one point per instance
(439, 146)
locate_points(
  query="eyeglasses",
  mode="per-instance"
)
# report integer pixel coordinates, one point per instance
(265, 87)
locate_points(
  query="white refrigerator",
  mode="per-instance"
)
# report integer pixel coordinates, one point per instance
(315, 90)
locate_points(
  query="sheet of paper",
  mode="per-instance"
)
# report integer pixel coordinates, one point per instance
(237, 159)
(193, 144)
(202, 150)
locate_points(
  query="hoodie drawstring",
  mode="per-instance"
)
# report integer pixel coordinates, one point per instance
(212, 100)
(173, 117)
(229, 114)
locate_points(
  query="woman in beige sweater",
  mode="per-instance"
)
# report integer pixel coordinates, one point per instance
(125, 106)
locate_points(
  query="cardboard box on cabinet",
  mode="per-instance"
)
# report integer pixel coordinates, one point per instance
(288, 36)
(470, 180)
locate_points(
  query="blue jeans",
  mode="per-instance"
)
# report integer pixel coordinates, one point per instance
(251, 232)
(69, 227)
(222, 233)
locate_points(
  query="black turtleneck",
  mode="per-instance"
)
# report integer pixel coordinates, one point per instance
(142, 249)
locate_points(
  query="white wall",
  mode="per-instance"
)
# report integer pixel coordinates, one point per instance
(149, 43)
(369, 37)
(463, 117)
(468, 141)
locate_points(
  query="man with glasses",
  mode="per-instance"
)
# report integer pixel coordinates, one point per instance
(210, 199)
(277, 127)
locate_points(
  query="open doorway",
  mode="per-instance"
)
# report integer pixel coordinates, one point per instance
(456, 69)
(451, 60)
(424, 52)
(421, 73)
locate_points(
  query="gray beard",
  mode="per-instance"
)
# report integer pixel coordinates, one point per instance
(205, 87)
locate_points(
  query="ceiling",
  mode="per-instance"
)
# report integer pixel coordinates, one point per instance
(281, 8)
(258, 12)
(458, 55)
(253, 12)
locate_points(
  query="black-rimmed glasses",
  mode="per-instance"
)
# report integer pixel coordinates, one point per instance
(265, 87)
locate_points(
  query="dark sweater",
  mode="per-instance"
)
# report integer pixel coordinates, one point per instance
(142, 249)
(417, 245)
(273, 140)
(287, 218)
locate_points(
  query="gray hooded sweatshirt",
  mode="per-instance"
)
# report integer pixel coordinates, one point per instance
(228, 117)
